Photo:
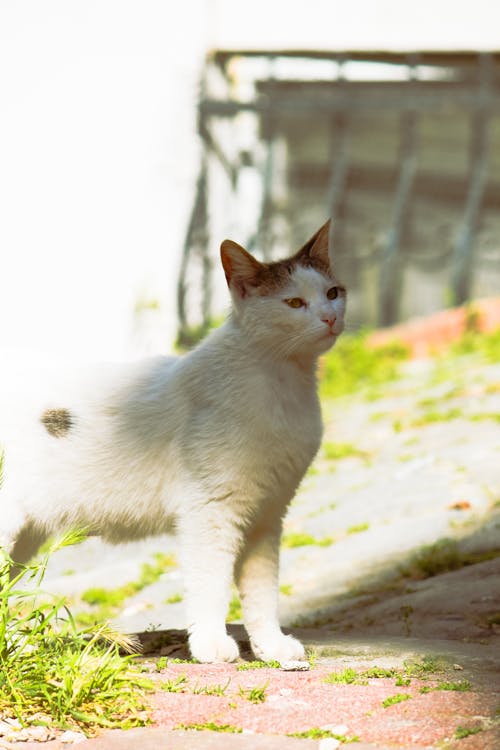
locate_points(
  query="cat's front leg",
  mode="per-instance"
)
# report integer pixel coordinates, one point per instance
(209, 543)
(257, 580)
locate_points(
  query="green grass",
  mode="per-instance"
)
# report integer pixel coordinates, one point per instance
(254, 695)
(353, 366)
(217, 689)
(462, 686)
(174, 599)
(397, 698)
(432, 417)
(211, 727)
(52, 672)
(358, 528)
(422, 669)
(302, 539)
(462, 732)
(485, 345)
(257, 665)
(380, 672)
(346, 677)
(106, 603)
(175, 685)
(338, 451)
(286, 589)
(425, 667)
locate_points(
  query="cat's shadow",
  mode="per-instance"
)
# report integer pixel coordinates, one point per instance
(174, 643)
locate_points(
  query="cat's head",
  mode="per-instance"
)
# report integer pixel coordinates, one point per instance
(293, 307)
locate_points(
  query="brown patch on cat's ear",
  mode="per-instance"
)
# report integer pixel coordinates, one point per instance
(315, 252)
(57, 422)
(242, 270)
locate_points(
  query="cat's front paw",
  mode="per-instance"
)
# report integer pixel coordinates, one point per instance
(279, 648)
(209, 647)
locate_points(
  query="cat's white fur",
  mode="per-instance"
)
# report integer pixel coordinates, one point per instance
(213, 444)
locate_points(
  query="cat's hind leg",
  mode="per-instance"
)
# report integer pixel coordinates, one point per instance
(257, 581)
(19, 539)
(28, 542)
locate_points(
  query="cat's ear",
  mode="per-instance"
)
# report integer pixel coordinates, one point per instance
(242, 269)
(317, 249)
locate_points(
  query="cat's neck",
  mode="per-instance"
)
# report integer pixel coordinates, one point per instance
(253, 353)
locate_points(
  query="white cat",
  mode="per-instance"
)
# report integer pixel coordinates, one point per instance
(213, 444)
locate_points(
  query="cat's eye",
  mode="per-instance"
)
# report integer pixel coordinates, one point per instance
(295, 302)
(333, 293)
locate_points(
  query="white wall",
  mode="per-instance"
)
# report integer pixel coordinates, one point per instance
(98, 157)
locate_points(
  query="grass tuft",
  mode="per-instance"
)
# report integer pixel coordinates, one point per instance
(254, 695)
(397, 698)
(301, 539)
(346, 677)
(50, 669)
(462, 732)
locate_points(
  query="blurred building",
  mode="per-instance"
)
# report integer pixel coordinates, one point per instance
(402, 149)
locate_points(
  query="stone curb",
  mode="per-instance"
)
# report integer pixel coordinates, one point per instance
(161, 739)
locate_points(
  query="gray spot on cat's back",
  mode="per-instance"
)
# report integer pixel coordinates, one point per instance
(57, 422)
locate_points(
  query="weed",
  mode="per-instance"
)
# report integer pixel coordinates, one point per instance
(431, 417)
(338, 451)
(397, 698)
(255, 694)
(378, 672)
(286, 589)
(174, 599)
(358, 528)
(402, 681)
(162, 663)
(257, 665)
(176, 685)
(47, 666)
(346, 677)
(211, 727)
(485, 415)
(462, 732)
(301, 539)
(428, 665)
(217, 689)
(462, 686)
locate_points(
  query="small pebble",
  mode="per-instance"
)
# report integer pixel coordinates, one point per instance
(294, 666)
(458, 667)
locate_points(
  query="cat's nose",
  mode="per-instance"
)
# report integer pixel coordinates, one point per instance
(330, 320)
